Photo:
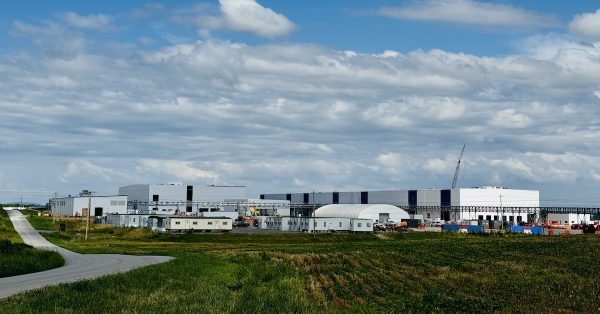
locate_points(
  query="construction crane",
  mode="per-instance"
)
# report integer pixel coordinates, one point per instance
(458, 167)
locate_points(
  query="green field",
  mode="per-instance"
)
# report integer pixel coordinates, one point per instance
(17, 258)
(285, 273)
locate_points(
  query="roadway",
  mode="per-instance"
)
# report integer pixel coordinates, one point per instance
(77, 266)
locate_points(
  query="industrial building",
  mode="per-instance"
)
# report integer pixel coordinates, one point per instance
(78, 205)
(169, 199)
(256, 207)
(431, 202)
(336, 218)
(373, 212)
(568, 219)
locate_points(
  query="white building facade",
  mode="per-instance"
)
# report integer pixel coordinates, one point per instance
(169, 199)
(510, 205)
(569, 219)
(78, 205)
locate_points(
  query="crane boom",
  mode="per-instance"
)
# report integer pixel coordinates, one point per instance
(458, 167)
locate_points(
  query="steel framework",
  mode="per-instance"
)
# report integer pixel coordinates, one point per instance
(454, 212)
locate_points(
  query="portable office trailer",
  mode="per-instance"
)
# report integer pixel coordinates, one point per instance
(320, 224)
(361, 225)
(329, 224)
(198, 224)
(128, 220)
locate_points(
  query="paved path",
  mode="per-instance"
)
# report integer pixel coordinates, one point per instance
(77, 266)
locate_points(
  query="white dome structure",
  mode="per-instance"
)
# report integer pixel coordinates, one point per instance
(376, 212)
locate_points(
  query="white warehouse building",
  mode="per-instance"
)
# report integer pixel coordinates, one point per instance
(373, 212)
(173, 198)
(78, 205)
(510, 204)
(568, 219)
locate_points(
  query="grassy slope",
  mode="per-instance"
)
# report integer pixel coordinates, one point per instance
(17, 258)
(294, 273)
(7, 231)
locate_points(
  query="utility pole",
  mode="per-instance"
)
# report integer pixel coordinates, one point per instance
(87, 224)
(53, 208)
(502, 218)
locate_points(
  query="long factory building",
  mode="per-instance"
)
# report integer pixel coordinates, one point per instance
(429, 202)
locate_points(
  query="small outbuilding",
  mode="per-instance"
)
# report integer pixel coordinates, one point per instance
(375, 212)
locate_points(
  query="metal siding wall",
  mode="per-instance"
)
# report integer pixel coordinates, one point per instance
(297, 198)
(139, 192)
(347, 198)
(428, 198)
(323, 198)
(396, 198)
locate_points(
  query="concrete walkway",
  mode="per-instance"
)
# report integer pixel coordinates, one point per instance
(77, 266)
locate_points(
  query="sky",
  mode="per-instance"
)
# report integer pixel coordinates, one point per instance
(296, 96)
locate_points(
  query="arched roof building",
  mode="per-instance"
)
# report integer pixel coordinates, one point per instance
(376, 212)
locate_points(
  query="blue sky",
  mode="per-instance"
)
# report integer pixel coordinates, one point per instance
(300, 95)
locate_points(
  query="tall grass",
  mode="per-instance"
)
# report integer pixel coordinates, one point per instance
(7, 231)
(20, 258)
(17, 258)
(192, 283)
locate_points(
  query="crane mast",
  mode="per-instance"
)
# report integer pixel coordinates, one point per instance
(458, 167)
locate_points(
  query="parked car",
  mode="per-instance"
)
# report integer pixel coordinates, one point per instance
(436, 224)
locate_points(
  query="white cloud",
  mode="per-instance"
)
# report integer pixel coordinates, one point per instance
(92, 21)
(439, 166)
(586, 25)
(248, 16)
(509, 118)
(468, 12)
(183, 170)
(549, 167)
(80, 168)
(516, 167)
(148, 10)
(408, 111)
(264, 115)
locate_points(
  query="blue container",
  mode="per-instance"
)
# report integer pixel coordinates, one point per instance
(454, 228)
(537, 230)
(517, 229)
(475, 229)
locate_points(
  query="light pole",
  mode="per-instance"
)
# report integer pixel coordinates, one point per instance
(314, 216)
(87, 223)
(502, 208)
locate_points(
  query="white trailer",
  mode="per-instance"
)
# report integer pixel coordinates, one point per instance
(305, 224)
(183, 223)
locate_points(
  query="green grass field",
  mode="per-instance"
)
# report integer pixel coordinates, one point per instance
(293, 273)
(17, 258)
